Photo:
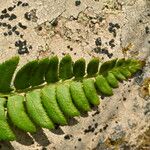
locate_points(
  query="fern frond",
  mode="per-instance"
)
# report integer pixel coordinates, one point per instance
(60, 100)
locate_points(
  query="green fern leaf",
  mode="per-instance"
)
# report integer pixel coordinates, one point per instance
(51, 74)
(23, 76)
(79, 68)
(38, 75)
(7, 70)
(93, 67)
(66, 68)
(5, 132)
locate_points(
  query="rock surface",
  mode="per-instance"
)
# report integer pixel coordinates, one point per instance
(84, 28)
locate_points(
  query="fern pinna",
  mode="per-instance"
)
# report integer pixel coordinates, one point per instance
(48, 92)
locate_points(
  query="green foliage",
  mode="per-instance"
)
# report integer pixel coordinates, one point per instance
(6, 134)
(65, 101)
(51, 74)
(66, 68)
(7, 70)
(103, 85)
(36, 110)
(56, 102)
(90, 91)
(18, 115)
(38, 75)
(78, 96)
(79, 68)
(92, 67)
(48, 96)
(24, 75)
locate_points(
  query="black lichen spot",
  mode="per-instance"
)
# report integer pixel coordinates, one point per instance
(5, 34)
(68, 136)
(39, 28)
(105, 127)
(17, 32)
(112, 28)
(22, 26)
(111, 43)
(22, 47)
(96, 125)
(124, 98)
(25, 4)
(79, 139)
(77, 2)
(4, 11)
(27, 16)
(96, 113)
(98, 41)
(97, 50)
(9, 32)
(11, 8)
(12, 17)
(147, 30)
(14, 28)
(101, 19)
(90, 129)
(6, 15)
(19, 3)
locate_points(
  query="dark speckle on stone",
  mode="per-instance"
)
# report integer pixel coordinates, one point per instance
(9, 26)
(4, 11)
(67, 137)
(11, 8)
(12, 17)
(97, 50)
(4, 24)
(105, 127)
(27, 16)
(2, 17)
(19, 3)
(98, 42)
(147, 30)
(79, 139)
(17, 32)
(5, 34)
(25, 4)
(22, 26)
(14, 28)
(101, 19)
(10, 33)
(110, 55)
(39, 28)
(6, 15)
(111, 43)
(77, 2)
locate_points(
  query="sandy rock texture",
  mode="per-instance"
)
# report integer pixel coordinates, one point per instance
(108, 29)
